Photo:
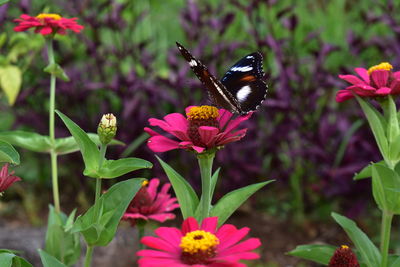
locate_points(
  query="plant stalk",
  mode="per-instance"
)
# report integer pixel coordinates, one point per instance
(205, 164)
(386, 225)
(88, 257)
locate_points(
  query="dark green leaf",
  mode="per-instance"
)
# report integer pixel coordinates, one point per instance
(89, 150)
(99, 224)
(116, 168)
(49, 261)
(185, 194)
(233, 200)
(56, 70)
(8, 153)
(369, 253)
(317, 253)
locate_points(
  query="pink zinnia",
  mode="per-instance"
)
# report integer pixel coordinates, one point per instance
(46, 24)
(151, 204)
(7, 179)
(198, 246)
(205, 127)
(377, 81)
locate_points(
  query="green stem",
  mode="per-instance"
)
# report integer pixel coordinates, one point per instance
(205, 164)
(103, 149)
(385, 236)
(53, 153)
(88, 257)
(141, 227)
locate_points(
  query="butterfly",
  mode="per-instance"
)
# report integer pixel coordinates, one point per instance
(240, 90)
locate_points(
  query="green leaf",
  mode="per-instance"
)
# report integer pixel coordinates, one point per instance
(6, 259)
(89, 150)
(57, 71)
(377, 124)
(8, 153)
(9, 259)
(185, 194)
(317, 253)
(232, 201)
(2, 2)
(49, 261)
(214, 180)
(394, 261)
(369, 253)
(10, 81)
(27, 140)
(60, 243)
(116, 168)
(99, 224)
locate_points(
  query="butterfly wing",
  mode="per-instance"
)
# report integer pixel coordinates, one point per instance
(218, 93)
(243, 81)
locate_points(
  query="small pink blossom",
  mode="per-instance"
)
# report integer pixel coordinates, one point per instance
(377, 81)
(150, 204)
(202, 129)
(197, 246)
(7, 179)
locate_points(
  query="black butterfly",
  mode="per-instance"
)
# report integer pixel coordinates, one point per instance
(241, 90)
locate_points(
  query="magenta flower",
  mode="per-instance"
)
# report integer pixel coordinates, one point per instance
(204, 128)
(7, 179)
(198, 246)
(148, 204)
(377, 81)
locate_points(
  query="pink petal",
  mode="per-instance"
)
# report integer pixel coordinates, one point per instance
(249, 244)
(46, 30)
(188, 144)
(363, 73)
(207, 135)
(343, 95)
(351, 79)
(154, 253)
(187, 110)
(233, 124)
(161, 144)
(161, 244)
(178, 121)
(152, 188)
(383, 91)
(224, 117)
(162, 217)
(225, 232)
(150, 131)
(165, 188)
(238, 256)
(170, 235)
(157, 262)
(380, 77)
(396, 75)
(209, 224)
(189, 225)
(233, 238)
(362, 90)
(395, 85)
(128, 216)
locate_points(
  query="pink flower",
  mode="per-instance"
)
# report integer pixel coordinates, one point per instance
(7, 179)
(205, 127)
(150, 204)
(377, 81)
(46, 24)
(198, 246)
(343, 257)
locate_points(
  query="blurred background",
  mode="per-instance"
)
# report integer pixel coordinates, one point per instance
(126, 62)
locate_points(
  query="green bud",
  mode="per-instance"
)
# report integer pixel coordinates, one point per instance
(107, 128)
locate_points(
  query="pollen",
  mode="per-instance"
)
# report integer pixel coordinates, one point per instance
(198, 241)
(202, 113)
(383, 66)
(344, 247)
(48, 16)
(145, 183)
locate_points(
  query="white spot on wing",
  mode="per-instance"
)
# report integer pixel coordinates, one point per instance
(243, 93)
(249, 57)
(193, 63)
(242, 69)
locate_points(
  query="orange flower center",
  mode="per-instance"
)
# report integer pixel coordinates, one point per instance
(382, 66)
(43, 16)
(201, 116)
(198, 247)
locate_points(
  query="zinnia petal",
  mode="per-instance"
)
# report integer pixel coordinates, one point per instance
(363, 73)
(161, 144)
(380, 77)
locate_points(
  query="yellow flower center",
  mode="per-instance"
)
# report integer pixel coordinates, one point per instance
(49, 16)
(383, 66)
(144, 183)
(202, 113)
(344, 247)
(198, 247)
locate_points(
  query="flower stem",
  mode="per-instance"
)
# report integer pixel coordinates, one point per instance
(205, 164)
(88, 257)
(103, 149)
(385, 236)
(141, 227)
(53, 153)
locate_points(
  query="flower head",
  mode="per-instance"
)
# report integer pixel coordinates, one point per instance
(195, 245)
(107, 128)
(7, 179)
(46, 24)
(343, 257)
(150, 204)
(203, 128)
(377, 81)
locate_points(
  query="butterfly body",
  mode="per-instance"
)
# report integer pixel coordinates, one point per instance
(241, 90)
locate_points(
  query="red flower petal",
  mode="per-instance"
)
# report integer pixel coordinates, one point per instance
(380, 77)
(363, 73)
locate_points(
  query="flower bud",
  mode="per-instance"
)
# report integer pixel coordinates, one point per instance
(107, 128)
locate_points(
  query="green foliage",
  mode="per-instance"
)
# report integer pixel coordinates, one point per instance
(8, 153)
(99, 224)
(60, 242)
(369, 253)
(317, 253)
(227, 205)
(187, 198)
(57, 71)
(9, 259)
(49, 261)
(10, 82)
